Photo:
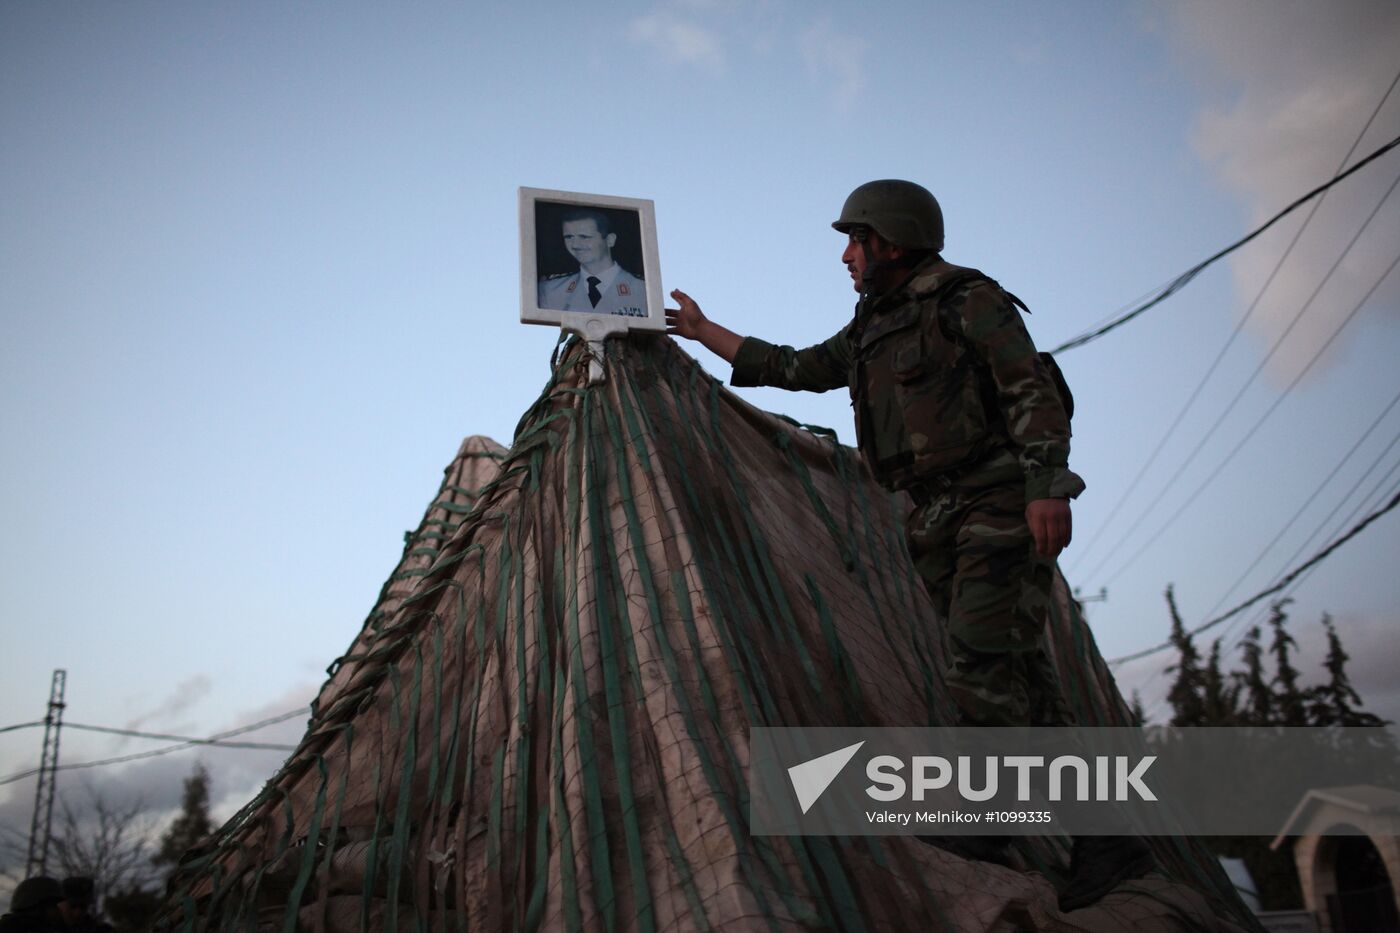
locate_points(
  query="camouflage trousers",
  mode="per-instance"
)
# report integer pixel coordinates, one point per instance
(974, 551)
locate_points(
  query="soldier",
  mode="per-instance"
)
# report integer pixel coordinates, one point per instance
(80, 906)
(34, 907)
(600, 286)
(954, 406)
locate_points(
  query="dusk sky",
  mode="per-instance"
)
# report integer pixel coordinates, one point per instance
(259, 277)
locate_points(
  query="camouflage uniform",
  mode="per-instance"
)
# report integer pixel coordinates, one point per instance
(954, 405)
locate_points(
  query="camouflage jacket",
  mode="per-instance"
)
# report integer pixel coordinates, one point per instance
(945, 382)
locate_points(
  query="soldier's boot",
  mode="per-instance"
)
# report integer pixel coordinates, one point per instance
(994, 849)
(1098, 864)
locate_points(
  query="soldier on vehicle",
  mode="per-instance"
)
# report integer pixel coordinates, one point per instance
(954, 406)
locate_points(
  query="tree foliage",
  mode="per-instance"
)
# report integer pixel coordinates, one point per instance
(104, 840)
(1336, 703)
(193, 823)
(1204, 695)
(1185, 692)
(1252, 687)
(1252, 696)
(1289, 700)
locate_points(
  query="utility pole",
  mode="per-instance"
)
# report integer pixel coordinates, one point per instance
(1102, 597)
(42, 825)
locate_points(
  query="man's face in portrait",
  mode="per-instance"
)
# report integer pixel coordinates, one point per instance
(587, 244)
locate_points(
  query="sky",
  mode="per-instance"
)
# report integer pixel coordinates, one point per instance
(259, 276)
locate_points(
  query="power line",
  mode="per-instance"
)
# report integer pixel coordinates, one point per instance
(1369, 501)
(22, 725)
(262, 723)
(1293, 585)
(1211, 370)
(191, 743)
(178, 738)
(1215, 426)
(1289, 578)
(1230, 341)
(1185, 278)
(1310, 499)
(1259, 423)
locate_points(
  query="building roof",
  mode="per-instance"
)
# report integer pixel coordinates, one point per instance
(1374, 810)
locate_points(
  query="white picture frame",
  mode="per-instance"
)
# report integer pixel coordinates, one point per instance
(616, 235)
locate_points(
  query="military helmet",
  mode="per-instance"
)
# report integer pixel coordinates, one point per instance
(902, 212)
(38, 891)
(79, 890)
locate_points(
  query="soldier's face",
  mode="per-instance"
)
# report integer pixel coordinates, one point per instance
(585, 243)
(854, 256)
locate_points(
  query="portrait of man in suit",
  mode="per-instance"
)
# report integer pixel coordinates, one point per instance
(599, 284)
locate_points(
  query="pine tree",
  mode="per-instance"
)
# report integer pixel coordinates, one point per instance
(1185, 693)
(1250, 685)
(193, 823)
(1336, 703)
(1290, 702)
(1136, 711)
(1217, 701)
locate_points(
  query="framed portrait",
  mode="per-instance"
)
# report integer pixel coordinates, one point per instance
(588, 263)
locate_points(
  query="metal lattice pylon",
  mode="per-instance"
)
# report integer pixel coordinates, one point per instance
(42, 824)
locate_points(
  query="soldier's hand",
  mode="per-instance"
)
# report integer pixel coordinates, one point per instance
(1050, 524)
(686, 321)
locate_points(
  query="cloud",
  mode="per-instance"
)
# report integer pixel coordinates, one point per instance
(1295, 81)
(679, 36)
(158, 783)
(835, 59)
(708, 33)
(185, 695)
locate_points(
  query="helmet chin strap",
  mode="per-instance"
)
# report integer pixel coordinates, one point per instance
(874, 266)
(867, 276)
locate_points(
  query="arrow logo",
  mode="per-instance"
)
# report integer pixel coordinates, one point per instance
(811, 778)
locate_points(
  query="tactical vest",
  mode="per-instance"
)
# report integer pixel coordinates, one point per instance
(925, 404)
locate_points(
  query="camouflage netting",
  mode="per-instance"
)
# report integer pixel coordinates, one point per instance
(544, 723)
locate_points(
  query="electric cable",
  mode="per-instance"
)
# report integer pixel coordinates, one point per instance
(1185, 278)
(1287, 579)
(21, 725)
(1262, 614)
(213, 740)
(1260, 421)
(1366, 502)
(1307, 501)
(1234, 333)
(109, 730)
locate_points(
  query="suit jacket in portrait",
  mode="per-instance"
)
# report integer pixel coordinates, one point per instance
(625, 294)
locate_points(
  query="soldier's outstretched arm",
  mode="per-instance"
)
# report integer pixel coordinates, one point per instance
(689, 321)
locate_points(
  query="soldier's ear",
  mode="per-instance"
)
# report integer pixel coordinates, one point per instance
(612, 240)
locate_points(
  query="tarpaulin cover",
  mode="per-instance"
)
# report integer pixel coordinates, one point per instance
(544, 722)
